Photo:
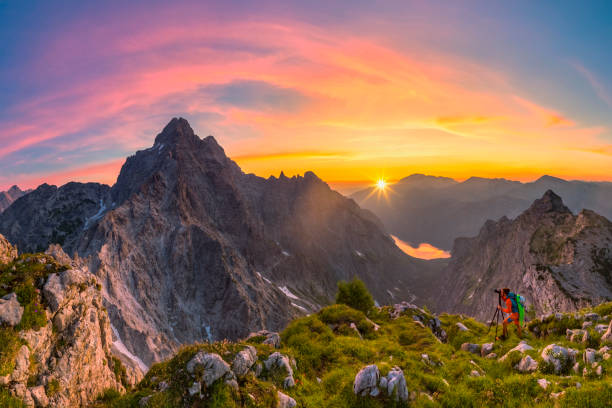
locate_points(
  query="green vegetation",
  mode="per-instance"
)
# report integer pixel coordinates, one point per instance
(53, 387)
(356, 295)
(8, 401)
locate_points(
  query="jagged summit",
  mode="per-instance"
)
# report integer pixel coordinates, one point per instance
(550, 202)
(176, 131)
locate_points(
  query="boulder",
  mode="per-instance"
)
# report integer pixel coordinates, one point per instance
(212, 365)
(586, 325)
(196, 388)
(285, 401)
(592, 317)
(601, 328)
(486, 349)
(577, 335)
(39, 396)
(471, 348)
(461, 327)
(590, 356)
(280, 361)
(270, 338)
(244, 360)
(366, 381)
(560, 357)
(527, 365)
(22, 365)
(522, 347)
(544, 383)
(607, 336)
(10, 310)
(7, 252)
(474, 373)
(396, 384)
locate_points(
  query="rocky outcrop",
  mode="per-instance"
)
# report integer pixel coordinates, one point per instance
(559, 358)
(366, 381)
(67, 361)
(10, 310)
(188, 248)
(278, 361)
(7, 251)
(268, 337)
(557, 260)
(11, 195)
(244, 360)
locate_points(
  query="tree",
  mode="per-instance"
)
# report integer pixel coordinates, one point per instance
(355, 294)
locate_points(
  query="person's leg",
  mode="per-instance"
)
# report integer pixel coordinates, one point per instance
(518, 329)
(505, 328)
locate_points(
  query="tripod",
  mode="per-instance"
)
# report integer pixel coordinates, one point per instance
(496, 317)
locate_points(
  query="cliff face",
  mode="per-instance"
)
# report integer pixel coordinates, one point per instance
(558, 260)
(11, 195)
(58, 352)
(189, 248)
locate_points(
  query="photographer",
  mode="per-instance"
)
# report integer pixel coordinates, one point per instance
(510, 309)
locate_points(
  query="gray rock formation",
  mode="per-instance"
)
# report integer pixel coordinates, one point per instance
(527, 365)
(396, 384)
(557, 260)
(10, 196)
(438, 210)
(366, 381)
(208, 367)
(278, 361)
(285, 401)
(188, 248)
(7, 251)
(560, 358)
(10, 310)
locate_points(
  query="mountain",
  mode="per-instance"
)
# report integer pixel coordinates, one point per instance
(188, 248)
(559, 261)
(8, 197)
(437, 210)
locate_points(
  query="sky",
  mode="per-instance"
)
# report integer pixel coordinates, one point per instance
(352, 90)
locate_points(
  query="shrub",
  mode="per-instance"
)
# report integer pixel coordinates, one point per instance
(53, 387)
(355, 294)
(9, 345)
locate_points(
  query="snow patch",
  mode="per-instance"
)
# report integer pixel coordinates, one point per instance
(161, 146)
(390, 293)
(359, 254)
(96, 216)
(286, 253)
(263, 277)
(299, 307)
(288, 293)
(209, 334)
(123, 350)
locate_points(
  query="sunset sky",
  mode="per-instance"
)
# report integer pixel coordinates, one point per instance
(353, 90)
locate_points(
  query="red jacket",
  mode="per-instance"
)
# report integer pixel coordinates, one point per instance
(508, 308)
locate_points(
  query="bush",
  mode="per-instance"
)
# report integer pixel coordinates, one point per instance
(9, 346)
(53, 387)
(355, 294)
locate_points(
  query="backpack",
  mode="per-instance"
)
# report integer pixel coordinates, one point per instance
(518, 305)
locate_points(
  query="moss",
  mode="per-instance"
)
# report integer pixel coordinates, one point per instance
(53, 387)
(8, 401)
(9, 346)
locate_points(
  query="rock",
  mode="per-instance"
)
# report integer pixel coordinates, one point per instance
(586, 325)
(607, 336)
(578, 336)
(20, 391)
(285, 401)
(599, 370)
(244, 360)
(425, 358)
(196, 388)
(591, 317)
(522, 347)
(144, 401)
(590, 356)
(527, 365)
(271, 338)
(22, 365)
(461, 327)
(163, 386)
(471, 348)
(576, 368)
(10, 310)
(544, 383)
(7, 252)
(353, 327)
(383, 383)
(557, 395)
(486, 349)
(560, 357)
(491, 356)
(53, 291)
(280, 361)
(604, 349)
(601, 328)
(234, 384)
(559, 316)
(366, 380)
(212, 365)
(474, 373)
(39, 396)
(578, 385)
(396, 384)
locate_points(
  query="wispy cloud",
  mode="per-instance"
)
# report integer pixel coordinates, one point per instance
(600, 89)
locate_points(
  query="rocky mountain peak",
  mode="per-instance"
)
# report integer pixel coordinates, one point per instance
(550, 202)
(177, 131)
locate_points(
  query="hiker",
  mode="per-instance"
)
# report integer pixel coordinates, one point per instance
(512, 310)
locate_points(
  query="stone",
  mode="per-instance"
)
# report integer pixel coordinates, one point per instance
(590, 356)
(144, 401)
(22, 365)
(244, 360)
(491, 356)
(607, 336)
(577, 335)
(544, 383)
(383, 383)
(586, 325)
(527, 365)
(196, 388)
(576, 368)
(212, 365)
(557, 395)
(39, 396)
(559, 357)
(234, 384)
(601, 328)
(396, 384)
(471, 348)
(522, 347)
(578, 385)
(461, 326)
(474, 373)
(281, 362)
(270, 338)
(7, 252)
(366, 380)
(10, 310)
(592, 317)
(285, 401)
(486, 349)
(20, 391)
(53, 292)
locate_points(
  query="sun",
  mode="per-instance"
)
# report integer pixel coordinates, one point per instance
(381, 184)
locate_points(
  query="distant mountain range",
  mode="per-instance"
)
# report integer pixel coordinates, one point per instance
(559, 261)
(437, 210)
(8, 197)
(189, 248)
